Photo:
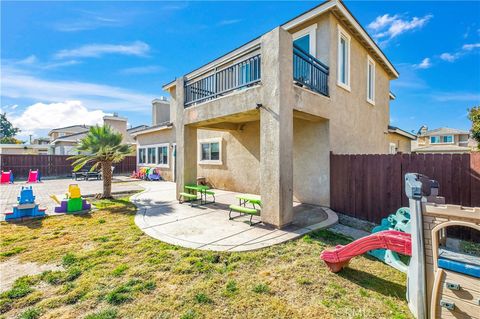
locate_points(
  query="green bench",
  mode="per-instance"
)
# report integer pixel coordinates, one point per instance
(243, 210)
(203, 190)
(187, 197)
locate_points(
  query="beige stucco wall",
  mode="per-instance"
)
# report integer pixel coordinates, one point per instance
(22, 151)
(240, 169)
(159, 137)
(403, 143)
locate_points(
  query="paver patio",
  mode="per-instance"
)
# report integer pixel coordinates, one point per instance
(207, 227)
(58, 187)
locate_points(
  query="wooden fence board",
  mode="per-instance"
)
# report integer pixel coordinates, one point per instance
(52, 165)
(372, 186)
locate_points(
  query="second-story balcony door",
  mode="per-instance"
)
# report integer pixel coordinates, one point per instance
(303, 43)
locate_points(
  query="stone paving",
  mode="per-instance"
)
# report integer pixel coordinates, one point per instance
(207, 227)
(58, 187)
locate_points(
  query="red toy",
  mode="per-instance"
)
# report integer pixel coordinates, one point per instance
(33, 176)
(6, 177)
(397, 241)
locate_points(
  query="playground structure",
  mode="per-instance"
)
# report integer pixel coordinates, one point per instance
(6, 177)
(441, 282)
(26, 207)
(400, 221)
(34, 176)
(73, 202)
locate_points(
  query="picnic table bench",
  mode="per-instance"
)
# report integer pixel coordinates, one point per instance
(192, 191)
(242, 207)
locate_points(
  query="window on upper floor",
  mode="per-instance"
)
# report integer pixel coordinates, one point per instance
(444, 139)
(343, 62)
(447, 139)
(306, 39)
(370, 80)
(434, 139)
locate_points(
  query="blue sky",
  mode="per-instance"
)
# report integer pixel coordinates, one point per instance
(70, 62)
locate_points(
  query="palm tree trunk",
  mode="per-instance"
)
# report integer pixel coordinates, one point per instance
(107, 179)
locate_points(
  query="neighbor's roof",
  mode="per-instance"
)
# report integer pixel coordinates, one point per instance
(442, 149)
(137, 128)
(78, 128)
(339, 9)
(394, 129)
(444, 131)
(70, 138)
(154, 128)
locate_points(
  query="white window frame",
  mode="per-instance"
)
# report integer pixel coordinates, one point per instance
(199, 151)
(157, 158)
(343, 34)
(312, 32)
(163, 165)
(392, 148)
(439, 139)
(443, 136)
(371, 62)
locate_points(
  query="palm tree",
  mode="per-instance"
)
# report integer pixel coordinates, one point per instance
(102, 146)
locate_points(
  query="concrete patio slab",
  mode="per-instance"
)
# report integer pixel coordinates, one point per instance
(207, 227)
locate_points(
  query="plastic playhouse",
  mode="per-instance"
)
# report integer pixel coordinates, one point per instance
(442, 282)
(6, 177)
(26, 207)
(33, 176)
(73, 201)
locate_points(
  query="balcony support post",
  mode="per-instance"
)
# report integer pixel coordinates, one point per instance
(276, 129)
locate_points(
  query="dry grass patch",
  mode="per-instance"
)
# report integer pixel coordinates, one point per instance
(113, 270)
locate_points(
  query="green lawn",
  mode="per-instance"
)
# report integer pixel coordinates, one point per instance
(114, 270)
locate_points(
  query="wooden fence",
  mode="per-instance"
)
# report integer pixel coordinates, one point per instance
(52, 165)
(370, 187)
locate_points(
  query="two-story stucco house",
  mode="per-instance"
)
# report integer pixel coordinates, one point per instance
(264, 117)
(443, 140)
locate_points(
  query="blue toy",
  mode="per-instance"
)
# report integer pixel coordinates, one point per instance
(399, 221)
(26, 206)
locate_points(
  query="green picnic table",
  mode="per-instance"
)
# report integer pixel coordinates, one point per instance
(204, 190)
(243, 209)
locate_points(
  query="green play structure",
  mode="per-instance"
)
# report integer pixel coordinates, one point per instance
(399, 221)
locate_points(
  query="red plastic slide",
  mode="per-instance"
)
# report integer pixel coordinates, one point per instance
(397, 241)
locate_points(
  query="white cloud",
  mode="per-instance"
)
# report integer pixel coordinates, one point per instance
(39, 118)
(90, 22)
(387, 27)
(142, 69)
(457, 96)
(425, 64)
(471, 46)
(17, 84)
(448, 57)
(137, 48)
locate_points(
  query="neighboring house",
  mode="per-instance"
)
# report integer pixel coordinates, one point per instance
(443, 140)
(400, 140)
(23, 149)
(264, 117)
(64, 140)
(41, 141)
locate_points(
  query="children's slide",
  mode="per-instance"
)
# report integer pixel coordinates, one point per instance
(394, 240)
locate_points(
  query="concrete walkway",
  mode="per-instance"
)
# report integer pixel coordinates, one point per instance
(208, 227)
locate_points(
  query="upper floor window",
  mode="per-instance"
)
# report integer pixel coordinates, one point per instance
(306, 39)
(447, 139)
(370, 80)
(343, 59)
(434, 139)
(210, 151)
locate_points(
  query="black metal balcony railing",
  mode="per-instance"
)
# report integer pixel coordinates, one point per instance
(309, 71)
(239, 75)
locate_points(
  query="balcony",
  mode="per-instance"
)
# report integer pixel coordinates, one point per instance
(244, 71)
(309, 72)
(220, 81)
